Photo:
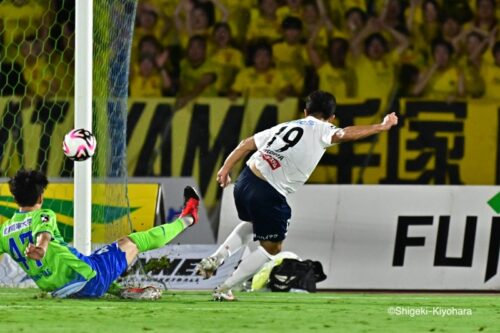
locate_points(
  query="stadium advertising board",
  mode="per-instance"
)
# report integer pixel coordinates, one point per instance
(109, 208)
(394, 237)
(180, 271)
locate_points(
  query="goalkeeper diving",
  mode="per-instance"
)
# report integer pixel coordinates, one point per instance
(32, 239)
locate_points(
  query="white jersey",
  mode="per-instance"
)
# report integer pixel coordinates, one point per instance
(288, 153)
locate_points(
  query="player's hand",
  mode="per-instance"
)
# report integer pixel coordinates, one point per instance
(35, 252)
(223, 177)
(390, 120)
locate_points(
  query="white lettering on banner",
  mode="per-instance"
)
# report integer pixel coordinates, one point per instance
(180, 275)
(393, 237)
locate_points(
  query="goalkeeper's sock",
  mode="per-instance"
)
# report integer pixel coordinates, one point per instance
(159, 236)
(239, 237)
(247, 268)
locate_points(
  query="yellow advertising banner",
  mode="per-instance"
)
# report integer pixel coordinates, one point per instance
(110, 214)
(447, 143)
(361, 162)
(195, 140)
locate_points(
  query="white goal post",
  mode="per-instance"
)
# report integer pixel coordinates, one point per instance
(83, 119)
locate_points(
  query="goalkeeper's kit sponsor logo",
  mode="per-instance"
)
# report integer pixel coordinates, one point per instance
(17, 226)
(404, 241)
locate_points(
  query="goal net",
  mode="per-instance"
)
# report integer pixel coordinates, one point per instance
(37, 59)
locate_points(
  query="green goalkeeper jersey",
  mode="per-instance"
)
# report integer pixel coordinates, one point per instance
(61, 263)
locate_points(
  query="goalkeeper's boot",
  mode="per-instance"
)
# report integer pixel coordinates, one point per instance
(191, 202)
(207, 267)
(220, 295)
(148, 292)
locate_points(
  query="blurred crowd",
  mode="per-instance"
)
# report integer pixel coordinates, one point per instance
(439, 49)
(37, 48)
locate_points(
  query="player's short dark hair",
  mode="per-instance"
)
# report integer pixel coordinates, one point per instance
(291, 22)
(321, 103)
(26, 186)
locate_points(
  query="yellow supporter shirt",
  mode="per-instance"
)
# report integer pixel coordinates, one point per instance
(285, 11)
(190, 76)
(488, 58)
(472, 5)
(38, 77)
(252, 84)
(443, 84)
(491, 77)
(239, 16)
(291, 60)
(260, 27)
(228, 62)
(166, 7)
(337, 81)
(146, 86)
(18, 23)
(348, 4)
(474, 83)
(375, 78)
(290, 55)
(232, 4)
(321, 40)
(167, 28)
(64, 73)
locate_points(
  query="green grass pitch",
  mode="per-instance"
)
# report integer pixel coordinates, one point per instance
(29, 310)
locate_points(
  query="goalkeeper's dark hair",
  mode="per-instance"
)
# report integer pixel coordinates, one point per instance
(26, 186)
(321, 103)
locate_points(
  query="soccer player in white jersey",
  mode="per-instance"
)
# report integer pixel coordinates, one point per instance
(285, 157)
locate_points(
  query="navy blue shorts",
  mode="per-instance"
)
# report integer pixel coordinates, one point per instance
(258, 202)
(109, 262)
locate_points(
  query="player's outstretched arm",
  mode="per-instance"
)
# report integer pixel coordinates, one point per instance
(37, 252)
(353, 133)
(242, 150)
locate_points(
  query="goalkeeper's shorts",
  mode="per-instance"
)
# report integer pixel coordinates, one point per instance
(109, 262)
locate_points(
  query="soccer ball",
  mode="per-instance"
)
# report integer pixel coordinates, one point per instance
(79, 144)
